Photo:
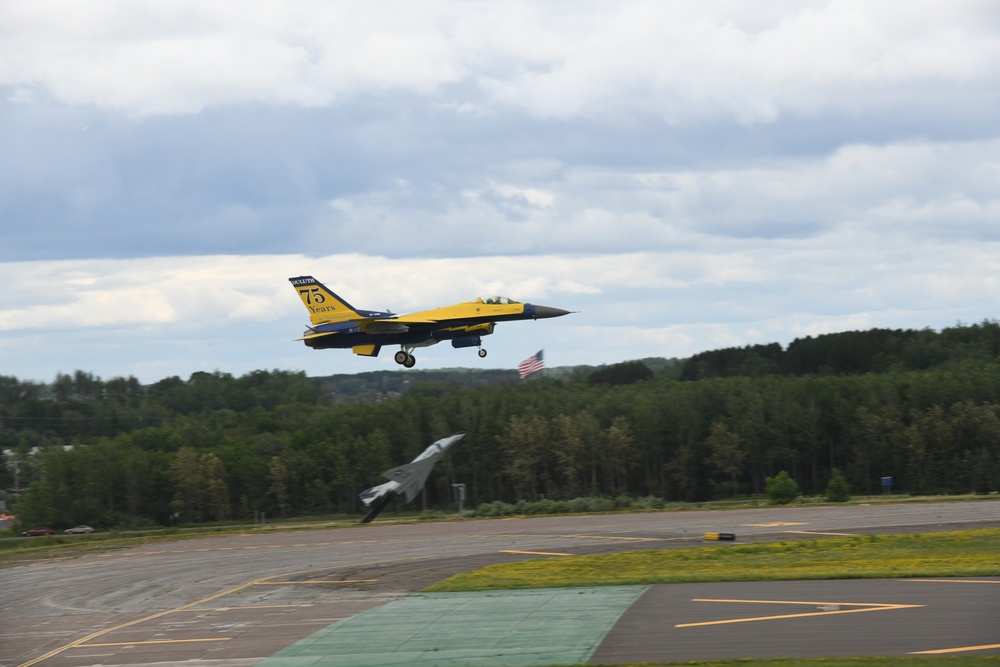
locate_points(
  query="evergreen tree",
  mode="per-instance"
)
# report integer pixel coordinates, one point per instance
(726, 457)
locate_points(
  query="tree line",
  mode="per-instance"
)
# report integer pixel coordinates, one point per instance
(216, 447)
(850, 352)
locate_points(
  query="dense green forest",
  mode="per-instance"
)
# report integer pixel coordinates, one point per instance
(920, 406)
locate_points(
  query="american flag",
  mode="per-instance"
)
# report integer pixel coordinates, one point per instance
(533, 363)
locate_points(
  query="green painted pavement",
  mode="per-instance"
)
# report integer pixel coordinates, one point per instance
(488, 629)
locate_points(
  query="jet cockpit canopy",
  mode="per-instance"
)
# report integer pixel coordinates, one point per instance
(496, 299)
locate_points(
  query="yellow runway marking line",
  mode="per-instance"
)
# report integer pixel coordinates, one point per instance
(156, 641)
(960, 649)
(101, 633)
(187, 607)
(775, 524)
(816, 532)
(612, 538)
(249, 606)
(866, 606)
(956, 581)
(533, 553)
(318, 581)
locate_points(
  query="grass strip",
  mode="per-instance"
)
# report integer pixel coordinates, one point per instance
(893, 661)
(964, 553)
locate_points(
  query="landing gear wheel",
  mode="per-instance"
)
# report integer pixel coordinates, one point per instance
(410, 361)
(401, 357)
(482, 353)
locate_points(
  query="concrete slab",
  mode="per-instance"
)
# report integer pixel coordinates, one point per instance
(490, 629)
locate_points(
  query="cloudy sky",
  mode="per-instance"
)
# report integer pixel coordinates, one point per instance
(686, 175)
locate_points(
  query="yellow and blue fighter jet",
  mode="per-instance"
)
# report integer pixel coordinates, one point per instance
(334, 323)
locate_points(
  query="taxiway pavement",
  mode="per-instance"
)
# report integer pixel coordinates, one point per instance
(236, 600)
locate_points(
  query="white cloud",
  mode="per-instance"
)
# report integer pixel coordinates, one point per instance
(149, 58)
(686, 175)
(175, 315)
(677, 61)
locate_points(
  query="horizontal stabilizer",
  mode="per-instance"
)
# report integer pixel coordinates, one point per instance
(370, 495)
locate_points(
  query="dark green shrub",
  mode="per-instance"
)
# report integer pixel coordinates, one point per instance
(781, 489)
(837, 489)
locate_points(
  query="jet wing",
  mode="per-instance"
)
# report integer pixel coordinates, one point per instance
(411, 476)
(391, 326)
(317, 335)
(370, 325)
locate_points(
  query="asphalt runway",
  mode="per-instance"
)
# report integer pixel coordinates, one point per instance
(808, 619)
(236, 600)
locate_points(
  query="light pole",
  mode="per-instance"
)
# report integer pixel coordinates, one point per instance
(460, 490)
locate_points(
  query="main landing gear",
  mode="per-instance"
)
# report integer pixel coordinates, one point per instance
(404, 358)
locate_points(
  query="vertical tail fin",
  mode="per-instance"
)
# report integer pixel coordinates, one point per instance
(323, 305)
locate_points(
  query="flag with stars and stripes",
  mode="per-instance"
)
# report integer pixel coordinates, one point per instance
(535, 362)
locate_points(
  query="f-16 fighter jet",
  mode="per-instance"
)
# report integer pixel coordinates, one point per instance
(406, 479)
(334, 323)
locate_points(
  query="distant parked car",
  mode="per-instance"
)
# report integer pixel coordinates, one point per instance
(76, 530)
(34, 532)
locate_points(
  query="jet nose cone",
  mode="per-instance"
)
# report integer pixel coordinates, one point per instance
(445, 443)
(548, 311)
